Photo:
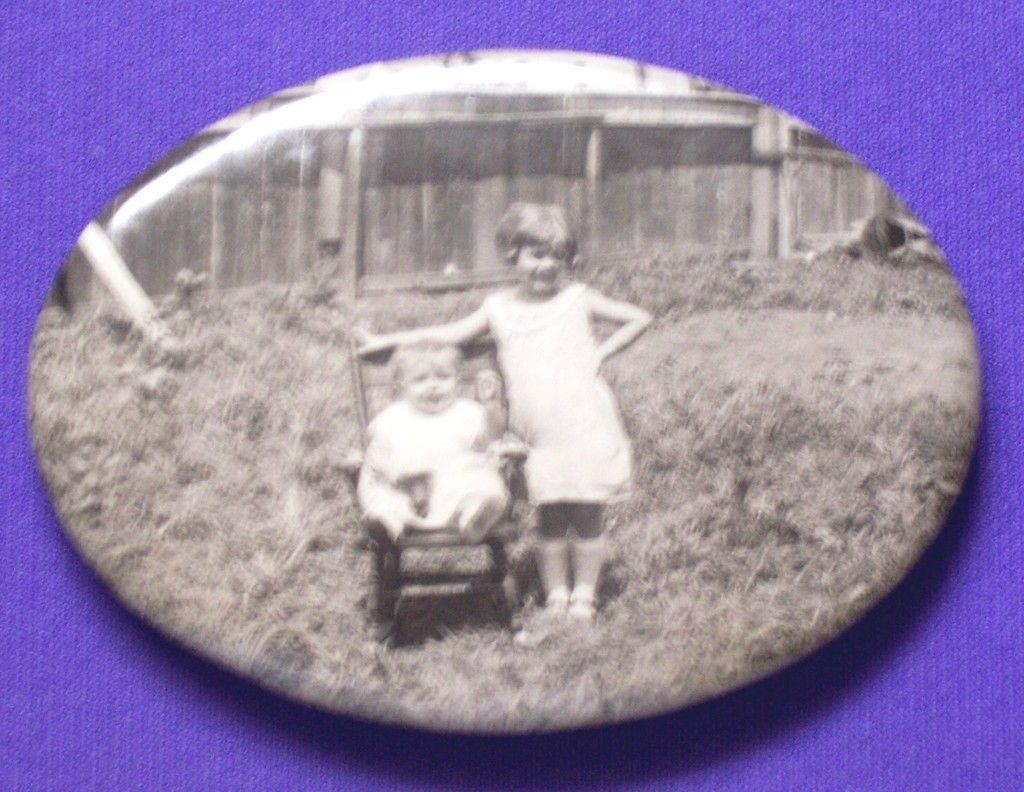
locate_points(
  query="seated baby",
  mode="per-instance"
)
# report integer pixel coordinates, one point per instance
(429, 464)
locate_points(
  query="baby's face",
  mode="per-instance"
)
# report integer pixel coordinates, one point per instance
(430, 383)
(540, 269)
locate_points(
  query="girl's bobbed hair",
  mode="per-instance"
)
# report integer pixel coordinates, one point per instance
(536, 224)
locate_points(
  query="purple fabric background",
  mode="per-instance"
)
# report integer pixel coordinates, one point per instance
(925, 693)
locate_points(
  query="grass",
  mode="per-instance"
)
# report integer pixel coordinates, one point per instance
(799, 437)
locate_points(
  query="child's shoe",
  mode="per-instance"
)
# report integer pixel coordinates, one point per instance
(557, 602)
(588, 559)
(547, 620)
(581, 605)
(553, 566)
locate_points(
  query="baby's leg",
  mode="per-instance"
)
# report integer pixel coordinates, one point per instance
(588, 555)
(479, 513)
(553, 553)
(391, 508)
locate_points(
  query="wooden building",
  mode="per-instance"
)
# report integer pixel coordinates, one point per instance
(406, 190)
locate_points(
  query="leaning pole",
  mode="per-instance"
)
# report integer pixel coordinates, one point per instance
(106, 261)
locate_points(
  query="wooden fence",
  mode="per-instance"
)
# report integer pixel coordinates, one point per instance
(414, 200)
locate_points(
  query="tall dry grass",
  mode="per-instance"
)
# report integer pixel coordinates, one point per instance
(790, 465)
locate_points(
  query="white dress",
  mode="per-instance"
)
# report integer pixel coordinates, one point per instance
(443, 448)
(558, 403)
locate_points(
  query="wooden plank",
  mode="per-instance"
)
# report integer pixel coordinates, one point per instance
(314, 257)
(168, 250)
(331, 215)
(408, 227)
(196, 228)
(264, 216)
(494, 164)
(388, 251)
(294, 253)
(875, 194)
(685, 190)
(576, 206)
(614, 230)
(806, 154)
(594, 165)
(215, 255)
(489, 201)
(275, 225)
(410, 205)
(435, 281)
(593, 172)
(763, 217)
(786, 236)
(739, 206)
(460, 205)
(410, 119)
(650, 193)
(330, 225)
(428, 259)
(414, 237)
(302, 200)
(439, 233)
(375, 243)
(842, 197)
(695, 109)
(374, 236)
(767, 213)
(857, 196)
(640, 204)
(353, 243)
(243, 233)
(706, 205)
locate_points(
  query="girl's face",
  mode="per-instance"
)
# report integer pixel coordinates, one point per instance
(430, 383)
(540, 268)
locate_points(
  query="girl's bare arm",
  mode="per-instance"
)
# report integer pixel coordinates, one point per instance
(633, 318)
(457, 332)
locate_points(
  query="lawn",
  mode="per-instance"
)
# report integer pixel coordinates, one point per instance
(799, 431)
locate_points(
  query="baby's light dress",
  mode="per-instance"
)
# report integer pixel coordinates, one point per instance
(558, 403)
(406, 442)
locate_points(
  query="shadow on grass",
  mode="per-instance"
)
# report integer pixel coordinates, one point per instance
(667, 746)
(427, 617)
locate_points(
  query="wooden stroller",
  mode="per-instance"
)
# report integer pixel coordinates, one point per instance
(391, 580)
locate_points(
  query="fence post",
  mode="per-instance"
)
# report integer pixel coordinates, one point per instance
(355, 157)
(331, 193)
(593, 170)
(771, 229)
(215, 260)
(880, 199)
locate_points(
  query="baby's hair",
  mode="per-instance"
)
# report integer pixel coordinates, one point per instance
(407, 355)
(536, 224)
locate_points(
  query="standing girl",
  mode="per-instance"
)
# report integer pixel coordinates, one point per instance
(579, 457)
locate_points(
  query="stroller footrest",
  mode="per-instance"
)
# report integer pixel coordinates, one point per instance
(483, 577)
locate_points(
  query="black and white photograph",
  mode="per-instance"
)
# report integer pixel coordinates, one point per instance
(504, 391)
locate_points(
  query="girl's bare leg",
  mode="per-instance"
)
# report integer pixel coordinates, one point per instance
(588, 555)
(553, 555)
